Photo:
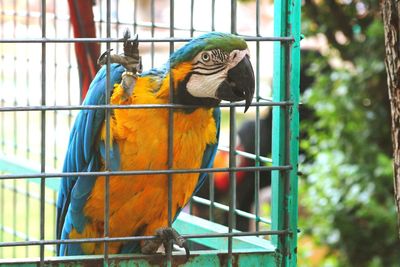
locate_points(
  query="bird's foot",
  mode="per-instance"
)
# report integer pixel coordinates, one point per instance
(130, 59)
(166, 235)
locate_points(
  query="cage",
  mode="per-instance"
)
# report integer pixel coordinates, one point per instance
(41, 89)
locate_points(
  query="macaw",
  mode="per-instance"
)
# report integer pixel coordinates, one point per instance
(206, 70)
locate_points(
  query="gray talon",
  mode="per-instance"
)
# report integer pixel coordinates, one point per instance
(130, 59)
(166, 235)
(102, 60)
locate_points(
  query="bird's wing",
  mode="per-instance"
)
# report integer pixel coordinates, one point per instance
(83, 155)
(211, 150)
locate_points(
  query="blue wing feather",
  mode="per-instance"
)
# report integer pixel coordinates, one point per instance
(210, 152)
(83, 156)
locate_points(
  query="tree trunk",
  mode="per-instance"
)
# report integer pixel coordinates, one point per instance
(391, 15)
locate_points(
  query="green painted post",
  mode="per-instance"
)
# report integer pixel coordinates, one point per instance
(285, 130)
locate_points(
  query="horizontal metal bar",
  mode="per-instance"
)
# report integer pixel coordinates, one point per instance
(197, 258)
(141, 40)
(137, 238)
(246, 154)
(226, 208)
(143, 172)
(21, 235)
(141, 106)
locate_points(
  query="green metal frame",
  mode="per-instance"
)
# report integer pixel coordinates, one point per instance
(285, 132)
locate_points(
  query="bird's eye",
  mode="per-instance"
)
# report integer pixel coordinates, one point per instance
(205, 57)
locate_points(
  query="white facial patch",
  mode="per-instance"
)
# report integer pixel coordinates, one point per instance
(208, 75)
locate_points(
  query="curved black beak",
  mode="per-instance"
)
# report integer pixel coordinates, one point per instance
(239, 85)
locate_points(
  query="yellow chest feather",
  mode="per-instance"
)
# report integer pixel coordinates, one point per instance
(138, 203)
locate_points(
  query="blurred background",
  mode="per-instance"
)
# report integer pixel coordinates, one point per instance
(347, 214)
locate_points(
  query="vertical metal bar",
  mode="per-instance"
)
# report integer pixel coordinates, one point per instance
(152, 17)
(69, 68)
(213, 15)
(2, 214)
(170, 127)
(27, 126)
(43, 134)
(14, 217)
(257, 125)
(107, 141)
(293, 121)
(278, 123)
(15, 103)
(27, 76)
(101, 20)
(2, 76)
(27, 201)
(211, 176)
(54, 220)
(135, 6)
(232, 155)
(170, 117)
(191, 17)
(286, 128)
(2, 133)
(117, 23)
(191, 35)
(56, 112)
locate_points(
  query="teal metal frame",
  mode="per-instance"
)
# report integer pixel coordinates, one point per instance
(285, 132)
(223, 246)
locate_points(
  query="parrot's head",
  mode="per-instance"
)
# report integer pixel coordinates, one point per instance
(217, 67)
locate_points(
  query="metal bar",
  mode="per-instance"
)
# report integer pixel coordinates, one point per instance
(293, 138)
(27, 203)
(213, 15)
(257, 140)
(69, 68)
(135, 17)
(55, 93)
(170, 130)
(199, 258)
(152, 18)
(138, 238)
(138, 106)
(121, 40)
(191, 35)
(232, 156)
(107, 141)
(15, 127)
(247, 155)
(43, 134)
(191, 17)
(278, 123)
(144, 172)
(285, 129)
(14, 216)
(211, 211)
(226, 208)
(2, 78)
(2, 200)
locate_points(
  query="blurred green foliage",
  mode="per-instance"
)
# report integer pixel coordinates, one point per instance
(347, 188)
